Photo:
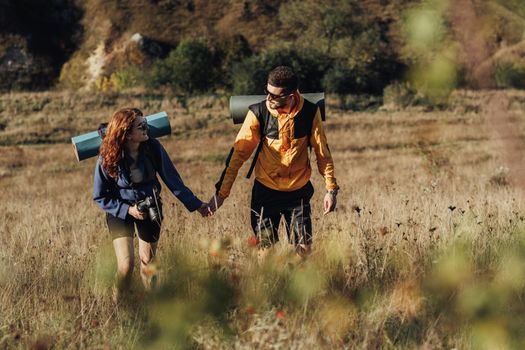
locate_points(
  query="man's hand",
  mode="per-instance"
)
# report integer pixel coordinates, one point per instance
(330, 202)
(133, 211)
(205, 210)
(215, 203)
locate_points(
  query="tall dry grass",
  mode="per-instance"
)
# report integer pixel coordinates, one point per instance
(426, 250)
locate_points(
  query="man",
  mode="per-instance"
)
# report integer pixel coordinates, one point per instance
(282, 187)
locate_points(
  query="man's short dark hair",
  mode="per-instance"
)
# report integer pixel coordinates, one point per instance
(283, 77)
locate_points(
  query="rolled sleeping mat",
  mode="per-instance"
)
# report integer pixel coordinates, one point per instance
(87, 145)
(239, 104)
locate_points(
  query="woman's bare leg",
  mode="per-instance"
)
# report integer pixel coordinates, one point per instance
(147, 253)
(124, 253)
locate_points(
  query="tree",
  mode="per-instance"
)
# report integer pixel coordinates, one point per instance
(354, 34)
(320, 23)
(249, 76)
(229, 52)
(188, 68)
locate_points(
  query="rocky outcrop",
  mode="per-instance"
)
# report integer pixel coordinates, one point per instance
(136, 34)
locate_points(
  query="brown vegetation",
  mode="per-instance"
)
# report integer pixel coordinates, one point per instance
(426, 248)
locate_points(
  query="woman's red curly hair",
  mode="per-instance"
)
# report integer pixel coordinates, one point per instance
(113, 143)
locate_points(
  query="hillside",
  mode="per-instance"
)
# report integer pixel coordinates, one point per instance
(74, 44)
(78, 28)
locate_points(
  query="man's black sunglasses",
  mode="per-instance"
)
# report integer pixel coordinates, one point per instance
(276, 97)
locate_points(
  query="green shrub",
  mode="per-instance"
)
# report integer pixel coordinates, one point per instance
(126, 78)
(229, 52)
(339, 79)
(359, 102)
(354, 34)
(188, 68)
(73, 74)
(403, 94)
(121, 80)
(510, 75)
(249, 76)
(399, 94)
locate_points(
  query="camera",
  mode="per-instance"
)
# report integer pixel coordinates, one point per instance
(149, 206)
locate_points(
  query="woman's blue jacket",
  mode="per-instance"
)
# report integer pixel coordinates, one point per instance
(115, 196)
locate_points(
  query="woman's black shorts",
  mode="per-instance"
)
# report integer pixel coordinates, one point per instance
(147, 230)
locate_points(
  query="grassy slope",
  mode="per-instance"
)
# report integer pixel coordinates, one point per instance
(419, 262)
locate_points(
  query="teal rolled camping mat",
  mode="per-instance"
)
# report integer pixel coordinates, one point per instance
(87, 145)
(239, 104)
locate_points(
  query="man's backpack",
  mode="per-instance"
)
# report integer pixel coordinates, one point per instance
(268, 124)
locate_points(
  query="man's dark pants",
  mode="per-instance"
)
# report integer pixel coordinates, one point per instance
(267, 207)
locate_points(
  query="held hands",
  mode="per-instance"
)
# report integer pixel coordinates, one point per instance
(208, 209)
(205, 210)
(215, 203)
(330, 202)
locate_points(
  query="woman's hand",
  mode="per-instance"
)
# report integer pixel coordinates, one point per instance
(133, 211)
(205, 210)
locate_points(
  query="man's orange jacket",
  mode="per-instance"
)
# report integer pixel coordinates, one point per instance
(283, 164)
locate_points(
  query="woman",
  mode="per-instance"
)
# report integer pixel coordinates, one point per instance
(127, 189)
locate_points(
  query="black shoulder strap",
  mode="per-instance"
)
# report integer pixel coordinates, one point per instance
(261, 112)
(258, 110)
(309, 111)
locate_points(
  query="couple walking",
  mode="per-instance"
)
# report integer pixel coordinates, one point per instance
(280, 129)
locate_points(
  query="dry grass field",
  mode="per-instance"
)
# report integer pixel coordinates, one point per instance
(426, 250)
